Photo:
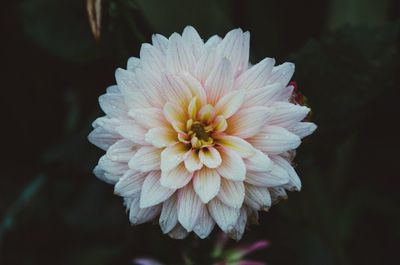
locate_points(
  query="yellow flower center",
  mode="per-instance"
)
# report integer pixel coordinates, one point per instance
(200, 134)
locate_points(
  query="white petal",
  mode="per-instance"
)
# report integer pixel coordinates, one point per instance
(178, 232)
(244, 148)
(230, 103)
(121, 151)
(219, 81)
(206, 183)
(210, 157)
(231, 193)
(113, 105)
(169, 214)
(130, 184)
(235, 47)
(263, 96)
(294, 180)
(179, 56)
(161, 137)
(176, 178)
(146, 158)
(205, 223)
(152, 58)
(193, 40)
(248, 122)
(213, 41)
(223, 215)
(128, 86)
(194, 86)
(232, 166)
(112, 167)
(277, 194)
(148, 117)
(189, 207)
(175, 90)
(173, 155)
(153, 192)
(192, 161)
(160, 42)
(103, 138)
(104, 176)
(257, 198)
(281, 74)
(275, 140)
(205, 65)
(303, 129)
(133, 132)
(256, 76)
(133, 62)
(277, 176)
(139, 215)
(258, 162)
(287, 114)
(237, 232)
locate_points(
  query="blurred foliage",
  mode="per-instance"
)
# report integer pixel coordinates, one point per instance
(347, 64)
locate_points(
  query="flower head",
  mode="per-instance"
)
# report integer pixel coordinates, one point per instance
(196, 136)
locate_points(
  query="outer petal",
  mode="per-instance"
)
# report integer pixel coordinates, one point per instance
(303, 129)
(210, 157)
(133, 62)
(130, 184)
(179, 56)
(231, 193)
(219, 81)
(176, 178)
(235, 47)
(205, 65)
(237, 232)
(237, 144)
(112, 167)
(258, 162)
(206, 183)
(277, 176)
(223, 215)
(169, 214)
(287, 114)
(133, 132)
(113, 105)
(147, 158)
(257, 198)
(102, 138)
(121, 151)
(139, 215)
(173, 155)
(178, 232)
(193, 40)
(148, 117)
(232, 166)
(153, 192)
(160, 42)
(161, 137)
(281, 74)
(189, 207)
(205, 223)
(256, 76)
(263, 96)
(294, 180)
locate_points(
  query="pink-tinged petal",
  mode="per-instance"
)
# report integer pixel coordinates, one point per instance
(195, 87)
(178, 232)
(133, 63)
(192, 161)
(220, 124)
(173, 155)
(248, 122)
(277, 194)
(160, 42)
(206, 183)
(303, 129)
(256, 76)
(176, 178)
(146, 158)
(161, 137)
(109, 124)
(231, 193)
(230, 103)
(193, 40)
(150, 84)
(130, 184)
(285, 94)
(175, 90)
(112, 167)
(121, 151)
(169, 214)
(205, 65)
(179, 56)
(224, 216)
(294, 180)
(277, 176)
(113, 105)
(133, 132)
(153, 192)
(238, 230)
(235, 47)
(275, 140)
(258, 162)
(287, 114)
(176, 116)
(103, 138)
(193, 108)
(138, 215)
(263, 96)
(206, 113)
(257, 198)
(281, 74)
(210, 157)
(219, 82)
(152, 58)
(104, 176)
(148, 117)
(205, 224)
(232, 166)
(189, 207)
(237, 144)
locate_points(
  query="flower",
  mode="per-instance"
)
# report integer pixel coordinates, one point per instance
(194, 135)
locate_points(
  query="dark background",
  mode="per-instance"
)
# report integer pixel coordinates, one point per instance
(54, 211)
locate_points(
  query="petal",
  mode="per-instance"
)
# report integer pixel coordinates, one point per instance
(275, 140)
(237, 232)
(130, 184)
(169, 214)
(189, 207)
(139, 215)
(195, 87)
(287, 114)
(173, 155)
(193, 40)
(152, 191)
(210, 157)
(133, 62)
(112, 167)
(205, 223)
(220, 124)
(281, 74)
(104, 176)
(235, 143)
(223, 215)
(235, 47)
(121, 151)
(128, 86)
(205, 65)
(152, 58)
(148, 117)
(176, 116)
(175, 90)
(263, 96)
(192, 161)
(257, 198)
(160, 42)
(133, 132)
(146, 158)
(103, 138)
(277, 194)
(258, 162)
(294, 180)
(219, 81)
(113, 105)
(277, 176)
(248, 122)
(179, 56)
(303, 129)
(206, 183)
(230, 103)
(178, 232)
(206, 113)
(176, 178)
(256, 76)
(161, 137)
(232, 166)
(231, 193)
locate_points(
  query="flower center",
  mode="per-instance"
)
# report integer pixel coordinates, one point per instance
(200, 134)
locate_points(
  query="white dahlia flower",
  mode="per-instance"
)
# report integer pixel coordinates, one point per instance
(195, 135)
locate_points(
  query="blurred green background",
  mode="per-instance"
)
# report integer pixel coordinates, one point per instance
(54, 211)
